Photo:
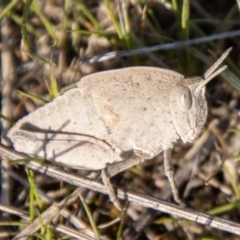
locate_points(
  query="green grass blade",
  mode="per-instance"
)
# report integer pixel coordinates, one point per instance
(47, 24)
(7, 119)
(232, 180)
(53, 89)
(90, 217)
(30, 177)
(24, 33)
(23, 160)
(34, 97)
(8, 8)
(114, 20)
(89, 16)
(225, 208)
(185, 19)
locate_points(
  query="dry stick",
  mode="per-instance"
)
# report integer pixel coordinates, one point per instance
(15, 211)
(8, 80)
(47, 216)
(174, 45)
(143, 200)
(71, 232)
(238, 3)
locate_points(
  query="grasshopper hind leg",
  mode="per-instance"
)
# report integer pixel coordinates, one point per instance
(113, 169)
(111, 190)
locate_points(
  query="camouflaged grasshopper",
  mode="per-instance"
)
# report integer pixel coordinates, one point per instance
(115, 119)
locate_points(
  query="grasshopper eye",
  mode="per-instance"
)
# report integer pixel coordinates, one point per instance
(185, 98)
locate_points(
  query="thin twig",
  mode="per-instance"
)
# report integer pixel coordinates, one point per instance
(174, 45)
